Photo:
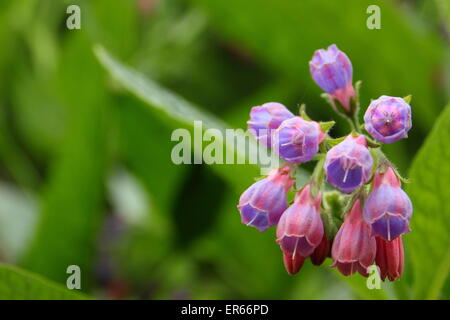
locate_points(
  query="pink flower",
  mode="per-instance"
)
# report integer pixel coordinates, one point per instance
(388, 208)
(293, 262)
(353, 248)
(390, 258)
(321, 252)
(300, 229)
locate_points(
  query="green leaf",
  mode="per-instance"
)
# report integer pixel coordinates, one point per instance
(428, 243)
(135, 125)
(114, 23)
(18, 216)
(13, 158)
(72, 201)
(154, 95)
(178, 111)
(19, 284)
(359, 286)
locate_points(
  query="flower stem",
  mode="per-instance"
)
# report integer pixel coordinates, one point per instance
(356, 122)
(352, 124)
(317, 176)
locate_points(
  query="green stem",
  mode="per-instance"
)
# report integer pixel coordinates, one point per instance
(317, 176)
(356, 123)
(382, 159)
(352, 124)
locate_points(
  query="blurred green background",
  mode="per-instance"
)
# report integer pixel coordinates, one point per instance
(86, 176)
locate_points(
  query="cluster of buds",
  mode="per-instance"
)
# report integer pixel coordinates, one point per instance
(362, 222)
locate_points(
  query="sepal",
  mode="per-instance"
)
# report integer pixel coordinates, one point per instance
(303, 114)
(326, 126)
(408, 99)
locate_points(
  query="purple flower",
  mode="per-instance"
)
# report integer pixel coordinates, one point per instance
(297, 140)
(388, 119)
(262, 204)
(265, 119)
(300, 229)
(348, 165)
(353, 248)
(332, 70)
(388, 209)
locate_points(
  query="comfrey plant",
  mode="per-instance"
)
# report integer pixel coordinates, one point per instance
(362, 222)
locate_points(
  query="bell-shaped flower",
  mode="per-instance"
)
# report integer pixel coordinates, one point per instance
(388, 208)
(297, 140)
(300, 229)
(332, 70)
(262, 204)
(388, 119)
(349, 164)
(353, 247)
(265, 119)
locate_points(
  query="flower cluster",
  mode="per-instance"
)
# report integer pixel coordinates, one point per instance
(363, 221)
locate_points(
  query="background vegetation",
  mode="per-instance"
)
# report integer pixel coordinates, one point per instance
(85, 123)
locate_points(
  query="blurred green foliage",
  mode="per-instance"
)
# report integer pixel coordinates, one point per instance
(85, 139)
(18, 284)
(429, 248)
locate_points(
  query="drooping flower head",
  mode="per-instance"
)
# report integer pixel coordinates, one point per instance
(332, 70)
(388, 208)
(348, 165)
(262, 204)
(390, 258)
(265, 119)
(353, 247)
(300, 229)
(388, 119)
(297, 140)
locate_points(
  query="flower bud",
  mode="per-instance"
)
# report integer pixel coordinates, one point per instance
(321, 252)
(332, 70)
(388, 208)
(390, 258)
(349, 164)
(262, 204)
(293, 263)
(353, 247)
(300, 229)
(265, 119)
(297, 140)
(388, 119)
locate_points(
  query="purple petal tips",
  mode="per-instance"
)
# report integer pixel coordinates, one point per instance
(388, 119)
(332, 70)
(265, 119)
(297, 140)
(348, 165)
(262, 204)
